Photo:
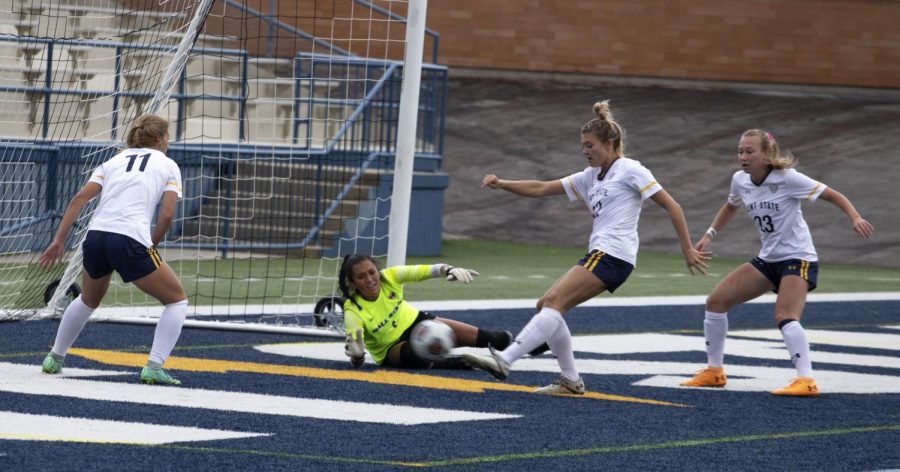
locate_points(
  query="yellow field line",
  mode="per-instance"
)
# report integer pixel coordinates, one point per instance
(128, 359)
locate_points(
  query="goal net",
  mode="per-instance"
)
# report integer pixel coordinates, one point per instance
(284, 122)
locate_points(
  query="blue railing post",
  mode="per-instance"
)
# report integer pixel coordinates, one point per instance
(117, 83)
(181, 110)
(229, 172)
(242, 103)
(48, 86)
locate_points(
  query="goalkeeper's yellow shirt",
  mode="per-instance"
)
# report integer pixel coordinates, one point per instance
(384, 320)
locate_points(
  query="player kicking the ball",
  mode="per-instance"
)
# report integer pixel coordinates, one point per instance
(613, 188)
(771, 191)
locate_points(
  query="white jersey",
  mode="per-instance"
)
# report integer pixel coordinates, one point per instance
(133, 182)
(774, 206)
(615, 203)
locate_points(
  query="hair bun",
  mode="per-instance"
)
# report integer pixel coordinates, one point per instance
(601, 109)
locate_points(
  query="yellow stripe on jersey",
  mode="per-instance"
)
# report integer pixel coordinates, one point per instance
(818, 184)
(648, 186)
(572, 186)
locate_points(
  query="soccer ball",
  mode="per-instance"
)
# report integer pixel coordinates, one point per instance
(432, 340)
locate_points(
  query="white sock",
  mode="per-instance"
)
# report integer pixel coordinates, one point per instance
(73, 321)
(798, 347)
(541, 327)
(561, 345)
(715, 329)
(168, 329)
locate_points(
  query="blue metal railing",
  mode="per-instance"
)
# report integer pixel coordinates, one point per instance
(378, 99)
(49, 88)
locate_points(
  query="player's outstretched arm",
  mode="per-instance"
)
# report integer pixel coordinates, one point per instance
(694, 258)
(525, 188)
(458, 273)
(55, 251)
(861, 227)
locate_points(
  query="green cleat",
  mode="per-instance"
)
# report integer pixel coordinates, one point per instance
(158, 375)
(53, 364)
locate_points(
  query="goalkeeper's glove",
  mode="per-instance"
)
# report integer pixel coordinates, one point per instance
(354, 348)
(458, 273)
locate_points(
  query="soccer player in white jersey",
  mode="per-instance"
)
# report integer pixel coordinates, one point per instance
(119, 239)
(771, 192)
(613, 188)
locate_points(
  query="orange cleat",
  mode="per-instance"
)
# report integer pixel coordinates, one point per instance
(708, 377)
(799, 387)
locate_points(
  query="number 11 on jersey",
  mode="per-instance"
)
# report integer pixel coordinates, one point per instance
(131, 159)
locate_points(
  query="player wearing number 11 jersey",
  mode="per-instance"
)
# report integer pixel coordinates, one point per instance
(771, 192)
(130, 186)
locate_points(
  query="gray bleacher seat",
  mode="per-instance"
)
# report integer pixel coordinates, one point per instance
(270, 120)
(6, 8)
(209, 129)
(98, 126)
(15, 120)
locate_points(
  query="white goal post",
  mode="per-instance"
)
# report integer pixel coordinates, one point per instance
(295, 129)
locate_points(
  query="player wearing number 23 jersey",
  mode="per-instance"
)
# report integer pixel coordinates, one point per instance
(774, 206)
(771, 191)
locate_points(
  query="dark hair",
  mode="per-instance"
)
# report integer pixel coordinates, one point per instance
(350, 261)
(605, 127)
(147, 131)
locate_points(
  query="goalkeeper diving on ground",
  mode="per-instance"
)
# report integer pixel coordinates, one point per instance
(378, 319)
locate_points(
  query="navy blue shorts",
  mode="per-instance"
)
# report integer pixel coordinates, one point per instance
(774, 271)
(612, 271)
(105, 252)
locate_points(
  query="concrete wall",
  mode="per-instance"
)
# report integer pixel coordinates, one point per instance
(821, 42)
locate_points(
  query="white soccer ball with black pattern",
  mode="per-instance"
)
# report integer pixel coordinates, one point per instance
(432, 340)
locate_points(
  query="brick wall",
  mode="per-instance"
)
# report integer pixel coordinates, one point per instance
(822, 42)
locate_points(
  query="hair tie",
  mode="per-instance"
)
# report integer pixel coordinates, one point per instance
(769, 136)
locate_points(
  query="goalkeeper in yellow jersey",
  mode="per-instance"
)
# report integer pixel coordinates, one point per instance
(378, 319)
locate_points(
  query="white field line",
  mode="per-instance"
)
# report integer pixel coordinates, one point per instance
(454, 305)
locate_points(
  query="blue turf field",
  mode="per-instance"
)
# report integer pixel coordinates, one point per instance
(305, 408)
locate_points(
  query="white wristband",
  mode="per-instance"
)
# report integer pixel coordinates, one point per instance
(711, 232)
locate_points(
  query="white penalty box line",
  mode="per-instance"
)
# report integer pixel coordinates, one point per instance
(613, 301)
(461, 305)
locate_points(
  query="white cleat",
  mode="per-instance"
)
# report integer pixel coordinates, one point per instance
(563, 386)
